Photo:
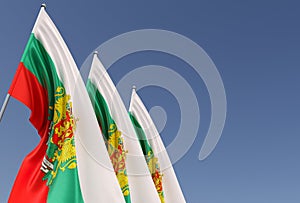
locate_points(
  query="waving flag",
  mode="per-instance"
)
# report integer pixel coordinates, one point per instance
(122, 143)
(159, 164)
(71, 163)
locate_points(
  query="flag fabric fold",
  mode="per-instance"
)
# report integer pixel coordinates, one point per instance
(70, 164)
(155, 153)
(122, 143)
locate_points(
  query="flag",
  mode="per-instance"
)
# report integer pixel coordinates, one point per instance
(122, 143)
(159, 164)
(113, 137)
(70, 164)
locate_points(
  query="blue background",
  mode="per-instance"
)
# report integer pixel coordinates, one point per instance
(256, 48)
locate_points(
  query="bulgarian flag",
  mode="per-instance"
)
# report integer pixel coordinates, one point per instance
(122, 143)
(70, 164)
(158, 161)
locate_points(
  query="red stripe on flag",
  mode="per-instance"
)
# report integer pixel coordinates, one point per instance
(29, 185)
(27, 89)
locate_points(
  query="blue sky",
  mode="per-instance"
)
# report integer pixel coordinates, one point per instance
(255, 46)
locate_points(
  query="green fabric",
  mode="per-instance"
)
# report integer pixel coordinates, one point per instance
(141, 135)
(112, 136)
(64, 187)
(152, 161)
(101, 109)
(38, 62)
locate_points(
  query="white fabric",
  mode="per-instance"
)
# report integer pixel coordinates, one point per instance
(97, 178)
(171, 187)
(141, 186)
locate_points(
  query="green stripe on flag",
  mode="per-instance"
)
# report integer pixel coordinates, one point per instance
(63, 180)
(101, 109)
(151, 160)
(141, 136)
(37, 61)
(113, 137)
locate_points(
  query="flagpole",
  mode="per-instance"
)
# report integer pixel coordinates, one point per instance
(4, 106)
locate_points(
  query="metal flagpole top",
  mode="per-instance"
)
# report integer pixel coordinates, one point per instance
(43, 5)
(96, 53)
(134, 87)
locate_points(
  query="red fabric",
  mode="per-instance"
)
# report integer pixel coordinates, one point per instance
(27, 89)
(29, 185)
